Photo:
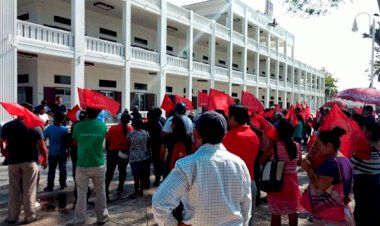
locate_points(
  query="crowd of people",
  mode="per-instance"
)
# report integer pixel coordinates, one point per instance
(207, 169)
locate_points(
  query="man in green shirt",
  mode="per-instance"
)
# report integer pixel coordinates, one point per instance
(90, 135)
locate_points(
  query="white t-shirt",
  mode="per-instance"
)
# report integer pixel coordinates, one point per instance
(44, 117)
(188, 125)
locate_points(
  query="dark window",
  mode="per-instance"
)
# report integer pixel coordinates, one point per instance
(234, 94)
(107, 32)
(205, 58)
(169, 48)
(235, 65)
(222, 62)
(62, 20)
(107, 83)
(141, 41)
(184, 90)
(23, 16)
(262, 97)
(141, 86)
(169, 89)
(279, 98)
(24, 78)
(272, 98)
(62, 79)
(204, 91)
(107, 39)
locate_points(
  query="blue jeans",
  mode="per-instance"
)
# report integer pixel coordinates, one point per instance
(55, 160)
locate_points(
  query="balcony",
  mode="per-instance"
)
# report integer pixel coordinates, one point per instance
(281, 84)
(263, 49)
(238, 76)
(221, 73)
(273, 81)
(145, 55)
(201, 67)
(251, 77)
(273, 52)
(252, 43)
(289, 84)
(178, 13)
(202, 23)
(177, 63)
(282, 56)
(263, 79)
(153, 4)
(222, 31)
(39, 33)
(239, 38)
(104, 47)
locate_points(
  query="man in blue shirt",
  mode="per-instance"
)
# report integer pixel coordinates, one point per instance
(57, 135)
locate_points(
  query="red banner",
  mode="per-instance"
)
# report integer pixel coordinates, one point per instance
(187, 102)
(269, 130)
(31, 120)
(292, 116)
(218, 100)
(72, 114)
(251, 102)
(92, 99)
(202, 99)
(167, 105)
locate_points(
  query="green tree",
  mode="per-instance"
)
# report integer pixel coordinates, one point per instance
(331, 89)
(312, 7)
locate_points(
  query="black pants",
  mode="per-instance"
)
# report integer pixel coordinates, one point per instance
(367, 200)
(157, 163)
(55, 160)
(257, 173)
(114, 160)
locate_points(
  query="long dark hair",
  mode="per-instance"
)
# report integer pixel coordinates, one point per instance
(179, 130)
(285, 132)
(332, 136)
(124, 120)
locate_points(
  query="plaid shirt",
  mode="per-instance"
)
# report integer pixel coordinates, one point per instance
(214, 186)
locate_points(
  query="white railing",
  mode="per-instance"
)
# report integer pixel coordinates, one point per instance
(221, 71)
(252, 42)
(273, 81)
(222, 30)
(178, 12)
(177, 62)
(202, 67)
(239, 37)
(156, 3)
(282, 56)
(251, 77)
(202, 22)
(145, 55)
(302, 86)
(263, 48)
(238, 74)
(262, 79)
(289, 84)
(44, 34)
(273, 52)
(102, 46)
(281, 83)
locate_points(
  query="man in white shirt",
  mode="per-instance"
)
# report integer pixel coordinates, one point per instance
(180, 109)
(213, 184)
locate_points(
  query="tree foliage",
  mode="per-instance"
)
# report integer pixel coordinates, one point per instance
(331, 89)
(312, 7)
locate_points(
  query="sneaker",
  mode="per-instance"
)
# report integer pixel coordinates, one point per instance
(103, 222)
(48, 189)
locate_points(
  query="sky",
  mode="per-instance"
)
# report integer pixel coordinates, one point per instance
(328, 41)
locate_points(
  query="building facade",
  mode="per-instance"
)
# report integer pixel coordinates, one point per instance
(136, 51)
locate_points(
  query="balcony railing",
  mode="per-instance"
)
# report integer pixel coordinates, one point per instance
(262, 79)
(221, 71)
(156, 3)
(289, 84)
(145, 55)
(180, 13)
(251, 77)
(222, 30)
(102, 46)
(281, 83)
(44, 34)
(239, 37)
(273, 52)
(252, 42)
(263, 48)
(273, 81)
(202, 67)
(238, 75)
(177, 62)
(202, 22)
(282, 56)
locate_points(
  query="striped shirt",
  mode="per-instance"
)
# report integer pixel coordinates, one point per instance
(214, 186)
(371, 166)
(290, 165)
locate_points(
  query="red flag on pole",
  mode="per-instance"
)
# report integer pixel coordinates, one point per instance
(269, 130)
(31, 120)
(305, 113)
(167, 105)
(218, 100)
(292, 116)
(251, 102)
(277, 108)
(202, 99)
(354, 141)
(269, 113)
(97, 101)
(187, 102)
(72, 114)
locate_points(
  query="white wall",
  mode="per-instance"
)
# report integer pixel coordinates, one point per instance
(30, 67)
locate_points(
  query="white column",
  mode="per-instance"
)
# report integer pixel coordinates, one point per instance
(126, 71)
(244, 55)
(212, 55)
(277, 75)
(286, 75)
(267, 97)
(276, 96)
(267, 70)
(230, 46)
(189, 43)
(258, 72)
(8, 52)
(162, 36)
(78, 9)
(285, 100)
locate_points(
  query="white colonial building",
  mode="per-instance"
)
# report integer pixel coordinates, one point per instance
(136, 51)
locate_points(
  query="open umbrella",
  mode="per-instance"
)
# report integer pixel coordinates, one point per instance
(31, 120)
(331, 103)
(365, 95)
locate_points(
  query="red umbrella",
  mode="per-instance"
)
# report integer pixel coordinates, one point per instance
(365, 95)
(31, 120)
(331, 103)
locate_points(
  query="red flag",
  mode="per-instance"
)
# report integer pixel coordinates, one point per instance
(305, 113)
(269, 130)
(254, 121)
(98, 101)
(251, 102)
(202, 99)
(167, 105)
(72, 114)
(218, 100)
(358, 110)
(292, 116)
(354, 141)
(187, 102)
(298, 105)
(269, 113)
(31, 120)
(277, 108)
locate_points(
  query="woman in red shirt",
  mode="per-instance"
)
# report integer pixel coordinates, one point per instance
(116, 141)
